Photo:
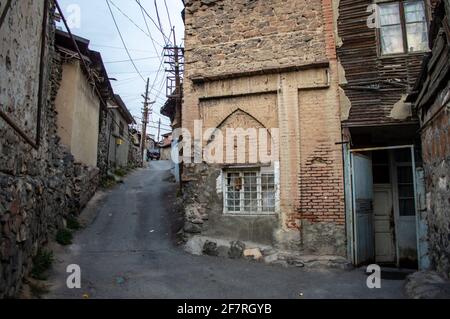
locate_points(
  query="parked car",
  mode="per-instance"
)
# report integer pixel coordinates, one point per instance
(153, 154)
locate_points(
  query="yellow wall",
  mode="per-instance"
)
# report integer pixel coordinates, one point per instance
(78, 115)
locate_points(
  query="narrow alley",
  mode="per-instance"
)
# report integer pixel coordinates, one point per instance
(223, 149)
(127, 252)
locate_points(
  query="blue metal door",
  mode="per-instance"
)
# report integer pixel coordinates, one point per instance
(362, 188)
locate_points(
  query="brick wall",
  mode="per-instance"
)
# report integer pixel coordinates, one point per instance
(254, 48)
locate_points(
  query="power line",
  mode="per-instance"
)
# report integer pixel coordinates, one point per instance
(148, 29)
(133, 72)
(157, 15)
(168, 14)
(134, 23)
(166, 39)
(123, 41)
(139, 59)
(131, 59)
(117, 48)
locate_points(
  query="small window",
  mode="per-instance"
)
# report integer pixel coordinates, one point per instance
(403, 27)
(416, 26)
(391, 29)
(249, 192)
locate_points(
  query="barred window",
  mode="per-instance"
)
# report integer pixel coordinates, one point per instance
(249, 192)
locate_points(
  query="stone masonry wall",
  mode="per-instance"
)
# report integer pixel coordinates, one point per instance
(103, 142)
(40, 187)
(436, 157)
(225, 36)
(134, 156)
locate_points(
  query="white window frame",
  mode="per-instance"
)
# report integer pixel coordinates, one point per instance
(259, 172)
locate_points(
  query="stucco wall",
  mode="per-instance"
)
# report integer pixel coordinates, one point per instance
(78, 108)
(20, 50)
(118, 153)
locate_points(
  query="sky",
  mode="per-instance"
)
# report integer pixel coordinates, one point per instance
(92, 19)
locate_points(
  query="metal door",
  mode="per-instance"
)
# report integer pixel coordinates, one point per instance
(362, 182)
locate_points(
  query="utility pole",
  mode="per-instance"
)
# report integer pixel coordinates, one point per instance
(159, 130)
(145, 119)
(175, 61)
(178, 94)
(177, 80)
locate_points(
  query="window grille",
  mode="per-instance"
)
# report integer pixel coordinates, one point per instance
(249, 193)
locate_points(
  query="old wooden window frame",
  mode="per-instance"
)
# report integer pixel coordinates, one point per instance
(33, 141)
(403, 24)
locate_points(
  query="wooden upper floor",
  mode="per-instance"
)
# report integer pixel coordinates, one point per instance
(381, 45)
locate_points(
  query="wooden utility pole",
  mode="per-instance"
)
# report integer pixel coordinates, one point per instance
(159, 130)
(177, 80)
(178, 96)
(175, 60)
(145, 120)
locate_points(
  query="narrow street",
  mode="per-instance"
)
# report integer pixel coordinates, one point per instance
(127, 252)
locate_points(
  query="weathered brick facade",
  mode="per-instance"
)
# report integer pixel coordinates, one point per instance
(272, 62)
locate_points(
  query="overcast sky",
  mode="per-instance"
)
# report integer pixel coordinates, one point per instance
(96, 24)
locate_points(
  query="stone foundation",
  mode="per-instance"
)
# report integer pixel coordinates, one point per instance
(203, 208)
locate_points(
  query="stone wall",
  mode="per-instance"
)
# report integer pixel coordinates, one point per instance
(40, 187)
(134, 156)
(225, 36)
(103, 142)
(436, 153)
(268, 64)
(433, 107)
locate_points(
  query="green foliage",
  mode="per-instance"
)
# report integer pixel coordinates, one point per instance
(64, 237)
(107, 182)
(121, 172)
(41, 263)
(73, 223)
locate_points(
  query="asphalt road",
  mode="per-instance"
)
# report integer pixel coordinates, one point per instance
(127, 252)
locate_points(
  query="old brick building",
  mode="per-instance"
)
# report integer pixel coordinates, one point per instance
(264, 65)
